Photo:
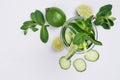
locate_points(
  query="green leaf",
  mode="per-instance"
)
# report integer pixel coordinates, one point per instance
(33, 17)
(23, 27)
(80, 23)
(105, 25)
(88, 22)
(105, 10)
(38, 17)
(111, 22)
(27, 24)
(95, 41)
(112, 18)
(99, 21)
(79, 38)
(25, 32)
(108, 14)
(75, 26)
(34, 29)
(44, 34)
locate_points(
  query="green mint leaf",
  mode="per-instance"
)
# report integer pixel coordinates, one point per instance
(23, 27)
(44, 34)
(108, 14)
(80, 23)
(79, 38)
(27, 24)
(76, 27)
(33, 17)
(25, 32)
(38, 17)
(105, 25)
(88, 22)
(34, 29)
(99, 21)
(111, 22)
(93, 40)
(105, 10)
(112, 18)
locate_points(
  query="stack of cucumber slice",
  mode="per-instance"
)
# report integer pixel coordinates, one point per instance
(79, 63)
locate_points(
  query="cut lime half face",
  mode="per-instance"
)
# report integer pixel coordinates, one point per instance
(57, 44)
(84, 10)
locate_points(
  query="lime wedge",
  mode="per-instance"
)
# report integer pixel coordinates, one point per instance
(84, 10)
(57, 44)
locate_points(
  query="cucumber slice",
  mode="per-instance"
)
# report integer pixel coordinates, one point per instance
(80, 65)
(92, 55)
(69, 36)
(64, 63)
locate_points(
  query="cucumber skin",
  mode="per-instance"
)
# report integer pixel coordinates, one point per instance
(60, 63)
(75, 65)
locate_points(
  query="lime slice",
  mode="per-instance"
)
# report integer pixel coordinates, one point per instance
(57, 44)
(84, 10)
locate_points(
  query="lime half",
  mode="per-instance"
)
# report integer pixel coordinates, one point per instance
(57, 44)
(84, 10)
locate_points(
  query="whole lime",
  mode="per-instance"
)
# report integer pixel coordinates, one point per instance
(55, 16)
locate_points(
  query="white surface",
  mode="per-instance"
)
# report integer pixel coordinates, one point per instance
(27, 58)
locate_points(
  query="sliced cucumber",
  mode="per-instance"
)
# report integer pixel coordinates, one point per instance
(69, 36)
(80, 65)
(64, 63)
(92, 55)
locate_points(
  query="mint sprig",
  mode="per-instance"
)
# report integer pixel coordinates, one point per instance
(104, 17)
(37, 18)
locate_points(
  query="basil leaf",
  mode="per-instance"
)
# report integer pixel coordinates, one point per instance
(104, 10)
(44, 34)
(38, 17)
(79, 38)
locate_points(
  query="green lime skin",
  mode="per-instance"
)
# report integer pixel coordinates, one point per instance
(55, 16)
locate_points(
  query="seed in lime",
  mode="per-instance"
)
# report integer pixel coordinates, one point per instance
(57, 44)
(84, 10)
(55, 16)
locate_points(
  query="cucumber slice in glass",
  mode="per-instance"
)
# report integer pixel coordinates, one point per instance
(69, 36)
(80, 65)
(91, 55)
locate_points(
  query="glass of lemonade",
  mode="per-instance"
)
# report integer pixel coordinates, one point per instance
(68, 33)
